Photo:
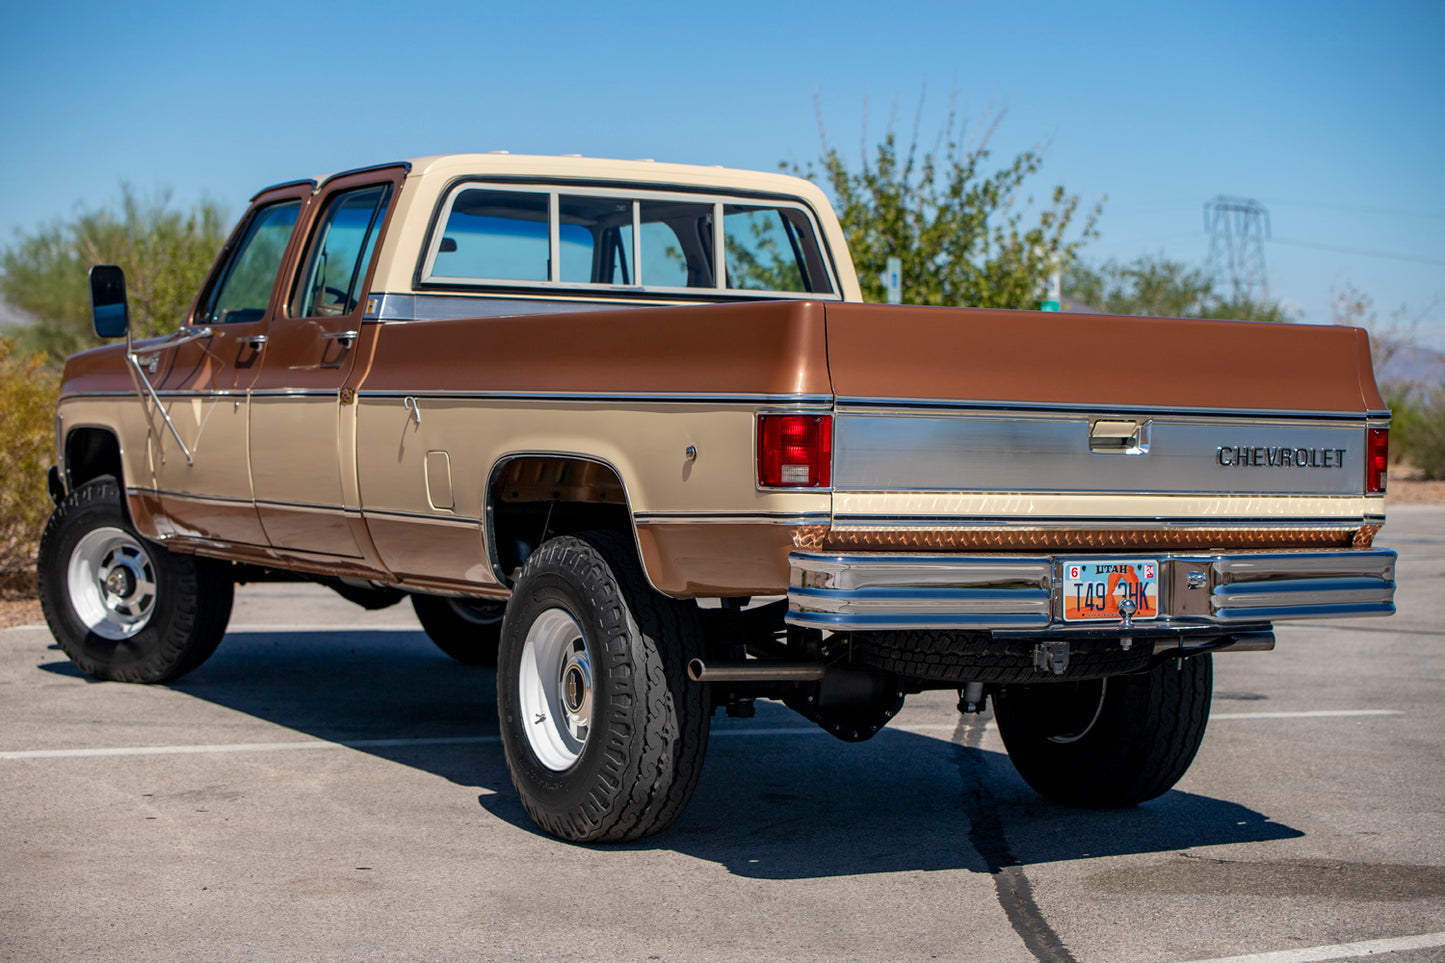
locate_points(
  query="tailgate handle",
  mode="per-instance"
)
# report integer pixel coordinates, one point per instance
(1118, 437)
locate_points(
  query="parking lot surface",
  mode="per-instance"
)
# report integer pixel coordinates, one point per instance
(330, 786)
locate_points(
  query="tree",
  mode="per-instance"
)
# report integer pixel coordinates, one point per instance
(959, 229)
(165, 253)
(1153, 285)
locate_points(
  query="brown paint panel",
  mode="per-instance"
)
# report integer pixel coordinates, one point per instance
(437, 554)
(203, 518)
(755, 348)
(99, 369)
(890, 351)
(687, 561)
(304, 528)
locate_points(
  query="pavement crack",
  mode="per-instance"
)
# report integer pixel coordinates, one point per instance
(986, 833)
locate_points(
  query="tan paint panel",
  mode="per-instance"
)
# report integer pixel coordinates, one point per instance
(294, 460)
(646, 443)
(127, 418)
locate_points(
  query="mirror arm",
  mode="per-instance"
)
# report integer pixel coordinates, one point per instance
(132, 355)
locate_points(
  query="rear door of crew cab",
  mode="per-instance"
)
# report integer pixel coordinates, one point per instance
(203, 383)
(302, 423)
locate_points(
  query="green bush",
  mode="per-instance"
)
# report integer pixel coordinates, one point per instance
(28, 389)
(1424, 441)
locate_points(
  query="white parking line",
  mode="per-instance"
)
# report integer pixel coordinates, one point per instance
(474, 740)
(1338, 951)
(1310, 714)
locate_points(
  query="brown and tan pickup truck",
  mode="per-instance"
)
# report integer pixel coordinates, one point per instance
(625, 430)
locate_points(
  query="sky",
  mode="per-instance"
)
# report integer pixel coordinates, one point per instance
(1331, 115)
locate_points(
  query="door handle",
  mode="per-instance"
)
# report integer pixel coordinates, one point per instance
(257, 341)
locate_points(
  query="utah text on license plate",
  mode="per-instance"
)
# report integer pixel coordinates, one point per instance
(1094, 587)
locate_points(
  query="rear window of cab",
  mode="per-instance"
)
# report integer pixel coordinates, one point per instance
(491, 235)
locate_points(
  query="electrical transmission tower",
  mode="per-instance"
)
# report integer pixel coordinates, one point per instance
(1238, 228)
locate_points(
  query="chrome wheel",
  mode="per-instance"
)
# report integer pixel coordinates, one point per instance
(554, 689)
(112, 583)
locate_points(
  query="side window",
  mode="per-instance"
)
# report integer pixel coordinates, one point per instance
(762, 250)
(340, 253)
(244, 288)
(500, 235)
(595, 239)
(676, 244)
(581, 236)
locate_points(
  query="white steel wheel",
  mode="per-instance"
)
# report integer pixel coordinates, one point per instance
(112, 582)
(554, 689)
(124, 609)
(603, 732)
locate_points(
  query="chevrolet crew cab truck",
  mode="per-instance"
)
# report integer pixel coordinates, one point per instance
(626, 431)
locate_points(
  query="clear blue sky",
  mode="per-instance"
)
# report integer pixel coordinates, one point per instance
(1331, 114)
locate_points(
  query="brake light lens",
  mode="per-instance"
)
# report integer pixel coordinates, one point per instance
(795, 451)
(1377, 459)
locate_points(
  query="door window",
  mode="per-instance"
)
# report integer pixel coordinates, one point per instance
(340, 253)
(244, 289)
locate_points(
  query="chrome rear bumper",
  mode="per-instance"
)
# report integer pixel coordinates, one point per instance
(1011, 593)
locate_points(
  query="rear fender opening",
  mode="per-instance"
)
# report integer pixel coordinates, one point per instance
(531, 498)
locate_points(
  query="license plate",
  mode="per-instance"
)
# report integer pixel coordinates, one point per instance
(1093, 588)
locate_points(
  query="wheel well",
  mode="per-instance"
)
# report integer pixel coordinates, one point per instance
(90, 453)
(536, 497)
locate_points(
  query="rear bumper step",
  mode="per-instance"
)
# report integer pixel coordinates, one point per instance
(884, 592)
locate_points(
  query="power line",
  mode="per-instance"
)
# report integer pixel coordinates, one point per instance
(1349, 208)
(1361, 252)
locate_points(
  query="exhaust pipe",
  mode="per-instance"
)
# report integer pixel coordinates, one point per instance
(754, 670)
(1250, 642)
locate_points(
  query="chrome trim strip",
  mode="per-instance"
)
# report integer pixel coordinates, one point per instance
(885, 591)
(459, 520)
(391, 307)
(295, 393)
(192, 496)
(731, 518)
(847, 402)
(822, 401)
(308, 506)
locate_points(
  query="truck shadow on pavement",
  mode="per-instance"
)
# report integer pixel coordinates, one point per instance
(777, 799)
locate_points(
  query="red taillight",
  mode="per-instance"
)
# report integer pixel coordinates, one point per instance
(795, 451)
(1377, 459)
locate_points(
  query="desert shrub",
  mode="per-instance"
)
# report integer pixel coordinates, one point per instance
(1424, 441)
(1403, 399)
(28, 389)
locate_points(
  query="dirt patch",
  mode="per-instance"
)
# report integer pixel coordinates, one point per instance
(20, 612)
(1410, 491)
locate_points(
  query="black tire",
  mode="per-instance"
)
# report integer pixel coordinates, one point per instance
(956, 658)
(122, 608)
(1107, 743)
(468, 630)
(633, 769)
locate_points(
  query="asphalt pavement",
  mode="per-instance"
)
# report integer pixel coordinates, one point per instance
(330, 786)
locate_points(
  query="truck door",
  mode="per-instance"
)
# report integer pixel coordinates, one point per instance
(205, 487)
(302, 429)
